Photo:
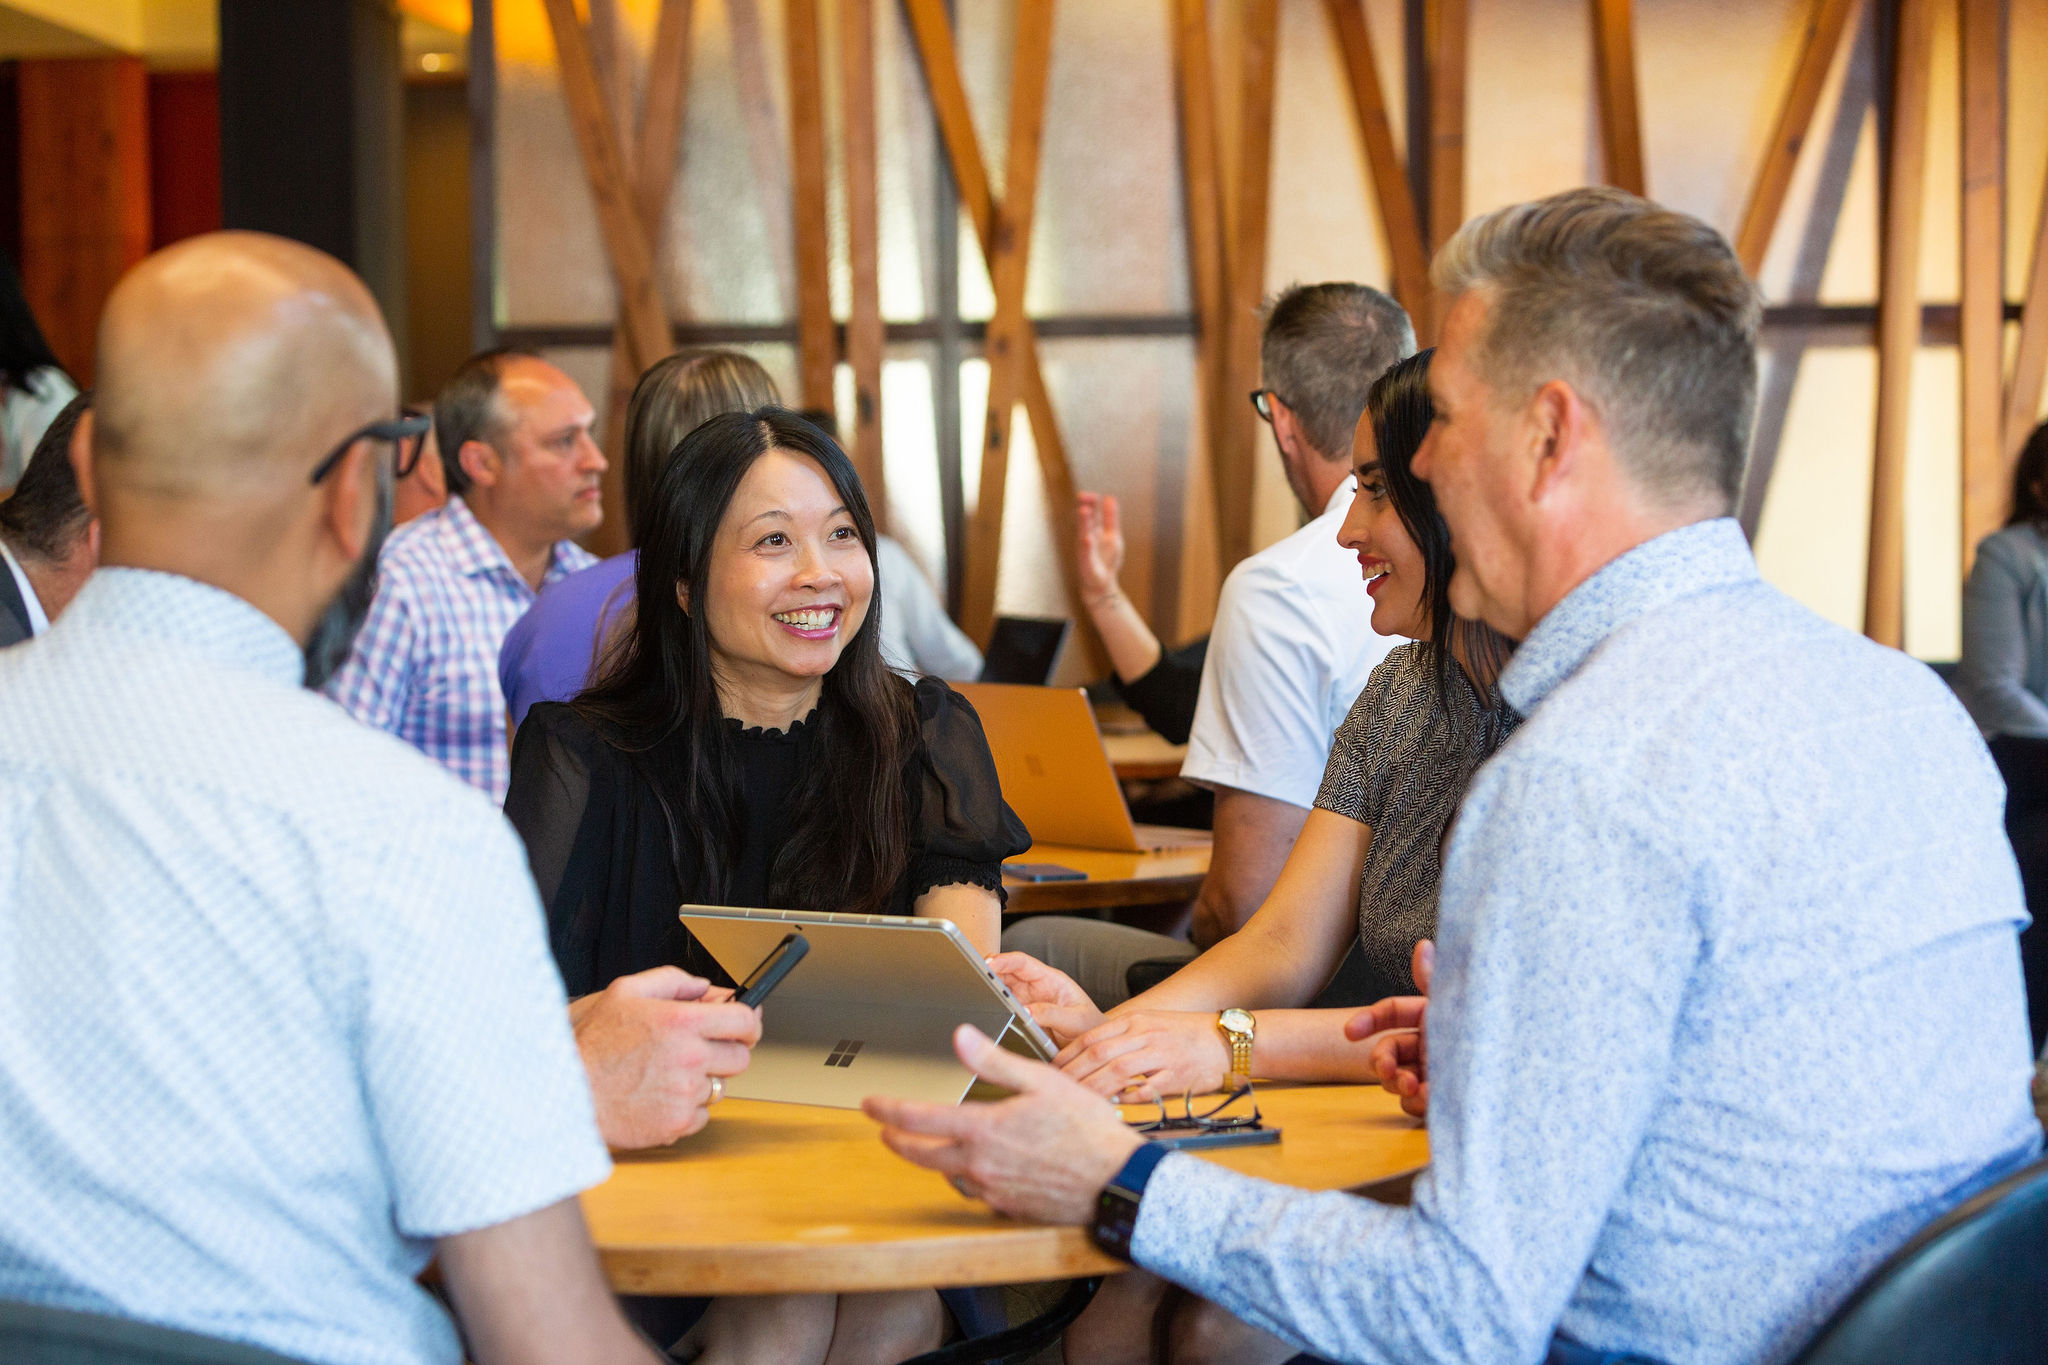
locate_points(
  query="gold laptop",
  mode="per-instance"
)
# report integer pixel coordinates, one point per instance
(1055, 773)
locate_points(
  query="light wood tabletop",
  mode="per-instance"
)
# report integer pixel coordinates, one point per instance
(1143, 756)
(1115, 880)
(775, 1198)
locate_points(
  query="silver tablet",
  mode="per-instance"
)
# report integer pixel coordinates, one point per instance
(870, 1010)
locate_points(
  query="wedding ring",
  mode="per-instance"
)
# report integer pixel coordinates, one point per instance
(959, 1182)
(717, 1090)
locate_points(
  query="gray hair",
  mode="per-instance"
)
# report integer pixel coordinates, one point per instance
(467, 409)
(1645, 311)
(1323, 346)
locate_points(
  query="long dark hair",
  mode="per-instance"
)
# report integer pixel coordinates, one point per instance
(23, 350)
(849, 839)
(1401, 416)
(2029, 473)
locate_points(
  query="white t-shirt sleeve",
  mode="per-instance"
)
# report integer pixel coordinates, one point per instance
(476, 1091)
(1262, 722)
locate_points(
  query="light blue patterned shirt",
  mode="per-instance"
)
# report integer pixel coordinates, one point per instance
(1727, 1002)
(276, 1003)
(425, 664)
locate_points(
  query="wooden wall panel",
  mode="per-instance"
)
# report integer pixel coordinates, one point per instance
(85, 215)
(184, 155)
(1202, 186)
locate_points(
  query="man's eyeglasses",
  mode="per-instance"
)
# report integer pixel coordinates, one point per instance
(1262, 403)
(1212, 1120)
(407, 436)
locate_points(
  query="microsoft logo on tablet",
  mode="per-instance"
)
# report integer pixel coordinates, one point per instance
(845, 1051)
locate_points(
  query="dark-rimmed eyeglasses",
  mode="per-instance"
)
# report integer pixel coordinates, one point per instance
(1212, 1120)
(406, 435)
(1262, 404)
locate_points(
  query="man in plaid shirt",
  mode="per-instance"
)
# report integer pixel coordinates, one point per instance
(523, 471)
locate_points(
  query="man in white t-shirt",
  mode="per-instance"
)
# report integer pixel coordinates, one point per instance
(1292, 644)
(283, 1024)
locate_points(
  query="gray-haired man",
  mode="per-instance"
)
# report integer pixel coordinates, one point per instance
(1720, 1015)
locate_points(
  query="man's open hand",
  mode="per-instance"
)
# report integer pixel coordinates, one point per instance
(1043, 1154)
(1397, 1032)
(651, 1046)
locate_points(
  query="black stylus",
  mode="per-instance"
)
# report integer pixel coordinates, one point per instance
(773, 968)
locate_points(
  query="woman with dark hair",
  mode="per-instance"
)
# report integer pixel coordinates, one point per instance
(33, 386)
(746, 745)
(557, 647)
(2003, 681)
(1364, 869)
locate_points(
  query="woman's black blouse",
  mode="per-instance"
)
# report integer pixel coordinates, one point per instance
(611, 878)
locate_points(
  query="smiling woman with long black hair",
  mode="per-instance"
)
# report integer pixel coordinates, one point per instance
(746, 745)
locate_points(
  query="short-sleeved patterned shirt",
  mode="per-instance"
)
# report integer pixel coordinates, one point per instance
(425, 665)
(276, 1005)
(1400, 764)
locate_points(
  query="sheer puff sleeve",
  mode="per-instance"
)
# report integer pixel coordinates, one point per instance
(961, 828)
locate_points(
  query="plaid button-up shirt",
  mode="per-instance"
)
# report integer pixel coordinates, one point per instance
(425, 664)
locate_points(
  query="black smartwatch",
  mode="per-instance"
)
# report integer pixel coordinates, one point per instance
(1116, 1208)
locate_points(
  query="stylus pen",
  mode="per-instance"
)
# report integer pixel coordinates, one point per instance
(773, 968)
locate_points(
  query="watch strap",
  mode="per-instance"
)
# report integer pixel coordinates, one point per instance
(1116, 1208)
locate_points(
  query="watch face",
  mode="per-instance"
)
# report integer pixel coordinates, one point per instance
(1236, 1021)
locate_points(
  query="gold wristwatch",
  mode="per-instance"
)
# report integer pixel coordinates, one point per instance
(1237, 1030)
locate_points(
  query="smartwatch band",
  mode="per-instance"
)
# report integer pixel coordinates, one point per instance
(1116, 1208)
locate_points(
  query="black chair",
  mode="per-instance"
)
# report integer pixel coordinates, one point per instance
(59, 1336)
(1972, 1289)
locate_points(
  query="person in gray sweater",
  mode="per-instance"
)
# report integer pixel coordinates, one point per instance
(2003, 681)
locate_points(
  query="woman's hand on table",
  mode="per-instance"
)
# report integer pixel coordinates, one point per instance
(1147, 1054)
(1061, 1008)
(1396, 1032)
(1043, 1154)
(651, 1044)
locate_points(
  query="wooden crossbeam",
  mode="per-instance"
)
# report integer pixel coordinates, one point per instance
(1259, 51)
(1201, 183)
(1818, 45)
(2030, 361)
(1395, 196)
(1982, 246)
(864, 313)
(933, 34)
(1009, 269)
(652, 146)
(1621, 113)
(817, 351)
(611, 53)
(642, 313)
(1898, 329)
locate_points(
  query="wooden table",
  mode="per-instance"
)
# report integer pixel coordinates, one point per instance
(773, 1198)
(1115, 880)
(1143, 756)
